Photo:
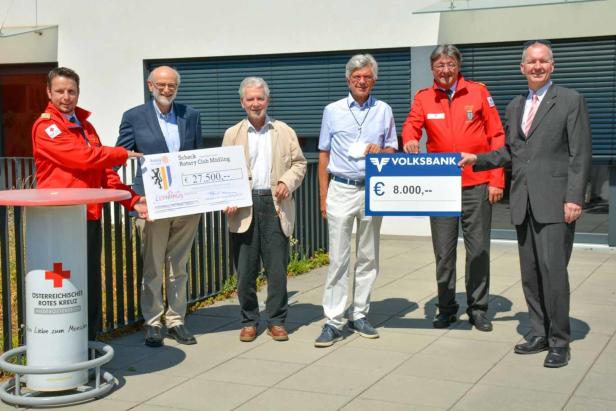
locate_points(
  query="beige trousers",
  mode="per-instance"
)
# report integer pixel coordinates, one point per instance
(165, 246)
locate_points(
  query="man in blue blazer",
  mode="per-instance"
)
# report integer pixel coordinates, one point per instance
(162, 126)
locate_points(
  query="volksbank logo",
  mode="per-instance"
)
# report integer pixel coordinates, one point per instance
(414, 161)
(379, 163)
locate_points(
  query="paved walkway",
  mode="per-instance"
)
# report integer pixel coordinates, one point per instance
(411, 367)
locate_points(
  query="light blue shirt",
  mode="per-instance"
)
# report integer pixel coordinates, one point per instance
(169, 126)
(346, 122)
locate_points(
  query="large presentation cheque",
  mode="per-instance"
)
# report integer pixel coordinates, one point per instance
(413, 184)
(195, 181)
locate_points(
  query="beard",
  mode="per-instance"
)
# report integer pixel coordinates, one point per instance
(163, 100)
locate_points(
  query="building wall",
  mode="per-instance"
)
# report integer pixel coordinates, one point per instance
(107, 41)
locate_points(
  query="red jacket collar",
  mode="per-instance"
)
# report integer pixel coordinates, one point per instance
(81, 114)
(461, 84)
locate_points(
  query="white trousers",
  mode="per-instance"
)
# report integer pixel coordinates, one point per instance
(165, 247)
(345, 204)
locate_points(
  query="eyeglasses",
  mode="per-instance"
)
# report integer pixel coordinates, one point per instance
(162, 86)
(441, 67)
(356, 77)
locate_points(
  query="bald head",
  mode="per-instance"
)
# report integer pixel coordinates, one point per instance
(163, 83)
(164, 72)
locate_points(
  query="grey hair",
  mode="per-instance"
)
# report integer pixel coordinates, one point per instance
(177, 74)
(254, 82)
(448, 50)
(360, 61)
(532, 43)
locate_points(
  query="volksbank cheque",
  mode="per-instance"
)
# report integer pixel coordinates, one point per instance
(428, 184)
(195, 181)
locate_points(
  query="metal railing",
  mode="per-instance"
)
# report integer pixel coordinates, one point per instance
(210, 263)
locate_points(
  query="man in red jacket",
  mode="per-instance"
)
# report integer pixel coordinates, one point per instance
(460, 115)
(68, 153)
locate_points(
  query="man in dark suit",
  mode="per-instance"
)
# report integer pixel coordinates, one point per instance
(162, 126)
(548, 144)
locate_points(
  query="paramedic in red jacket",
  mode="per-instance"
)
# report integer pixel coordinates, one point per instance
(460, 115)
(68, 153)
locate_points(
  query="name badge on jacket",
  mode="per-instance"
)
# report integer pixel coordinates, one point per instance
(436, 116)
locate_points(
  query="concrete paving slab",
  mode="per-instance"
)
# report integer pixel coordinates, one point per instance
(578, 403)
(229, 310)
(206, 395)
(202, 324)
(419, 391)
(361, 404)
(296, 350)
(146, 407)
(597, 385)
(277, 399)
(103, 404)
(251, 371)
(126, 355)
(456, 369)
(192, 360)
(332, 380)
(591, 341)
(392, 341)
(516, 373)
(505, 331)
(451, 348)
(484, 397)
(362, 359)
(138, 388)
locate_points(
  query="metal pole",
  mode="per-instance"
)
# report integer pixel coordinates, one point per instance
(611, 214)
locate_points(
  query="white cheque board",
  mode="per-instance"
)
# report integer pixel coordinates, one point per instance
(195, 181)
(413, 184)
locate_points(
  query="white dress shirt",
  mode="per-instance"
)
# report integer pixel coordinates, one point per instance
(260, 150)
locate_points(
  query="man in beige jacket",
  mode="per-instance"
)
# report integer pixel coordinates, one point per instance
(276, 168)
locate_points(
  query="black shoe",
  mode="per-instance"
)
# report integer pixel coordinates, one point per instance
(181, 334)
(153, 336)
(480, 320)
(443, 320)
(557, 357)
(534, 345)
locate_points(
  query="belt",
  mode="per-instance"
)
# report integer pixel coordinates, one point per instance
(348, 181)
(261, 192)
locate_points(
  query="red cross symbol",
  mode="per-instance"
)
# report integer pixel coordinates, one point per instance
(57, 275)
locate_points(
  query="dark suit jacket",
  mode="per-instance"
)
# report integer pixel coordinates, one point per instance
(140, 131)
(551, 165)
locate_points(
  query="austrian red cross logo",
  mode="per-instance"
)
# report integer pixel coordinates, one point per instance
(57, 275)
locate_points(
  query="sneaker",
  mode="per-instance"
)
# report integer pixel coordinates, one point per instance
(328, 336)
(363, 328)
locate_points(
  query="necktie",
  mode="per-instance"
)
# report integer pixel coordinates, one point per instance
(531, 114)
(449, 93)
(73, 120)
